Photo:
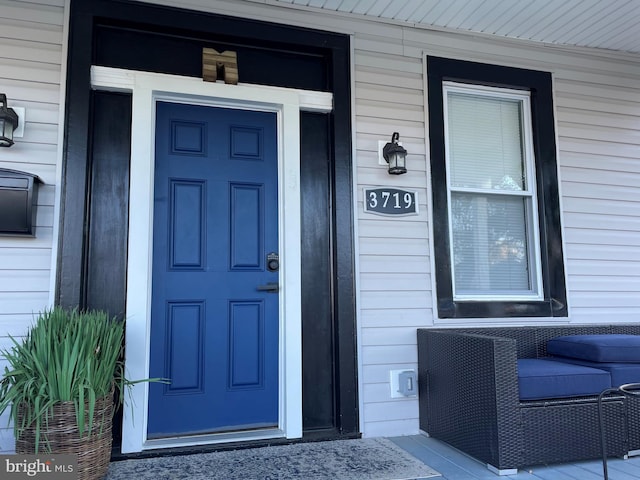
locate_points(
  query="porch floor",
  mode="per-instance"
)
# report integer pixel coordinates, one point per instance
(455, 465)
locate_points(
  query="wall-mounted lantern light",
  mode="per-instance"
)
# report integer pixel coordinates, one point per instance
(8, 122)
(395, 155)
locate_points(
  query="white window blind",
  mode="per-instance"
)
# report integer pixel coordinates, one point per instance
(491, 192)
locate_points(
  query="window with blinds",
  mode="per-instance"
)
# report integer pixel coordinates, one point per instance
(496, 225)
(491, 190)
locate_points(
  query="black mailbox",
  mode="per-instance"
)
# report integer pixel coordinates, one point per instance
(18, 197)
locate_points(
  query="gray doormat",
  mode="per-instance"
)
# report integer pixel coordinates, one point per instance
(363, 459)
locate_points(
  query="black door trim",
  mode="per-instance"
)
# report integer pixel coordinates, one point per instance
(326, 55)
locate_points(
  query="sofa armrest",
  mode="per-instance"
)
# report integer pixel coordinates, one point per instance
(469, 393)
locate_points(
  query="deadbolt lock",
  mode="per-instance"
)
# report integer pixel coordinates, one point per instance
(273, 262)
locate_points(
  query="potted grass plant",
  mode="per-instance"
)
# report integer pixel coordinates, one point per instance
(62, 385)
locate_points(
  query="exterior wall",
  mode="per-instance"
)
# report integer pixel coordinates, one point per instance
(31, 59)
(598, 128)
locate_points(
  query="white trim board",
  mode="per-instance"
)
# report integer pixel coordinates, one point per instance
(146, 89)
(119, 80)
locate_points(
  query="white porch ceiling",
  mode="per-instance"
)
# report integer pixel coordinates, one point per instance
(603, 24)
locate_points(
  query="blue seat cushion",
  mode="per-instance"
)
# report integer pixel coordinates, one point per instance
(542, 378)
(613, 348)
(621, 373)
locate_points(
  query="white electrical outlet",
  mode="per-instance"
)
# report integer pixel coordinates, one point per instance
(410, 384)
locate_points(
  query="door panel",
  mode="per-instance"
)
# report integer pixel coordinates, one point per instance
(246, 229)
(213, 332)
(184, 349)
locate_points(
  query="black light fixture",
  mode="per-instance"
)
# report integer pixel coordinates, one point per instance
(8, 122)
(395, 155)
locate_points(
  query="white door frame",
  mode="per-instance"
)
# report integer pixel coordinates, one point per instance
(146, 89)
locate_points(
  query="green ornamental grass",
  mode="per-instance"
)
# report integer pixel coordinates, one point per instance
(67, 356)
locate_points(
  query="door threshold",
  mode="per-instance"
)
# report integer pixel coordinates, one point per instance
(213, 438)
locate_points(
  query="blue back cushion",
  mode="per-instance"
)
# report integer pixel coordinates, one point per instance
(541, 379)
(597, 348)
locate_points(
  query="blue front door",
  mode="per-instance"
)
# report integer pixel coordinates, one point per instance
(214, 312)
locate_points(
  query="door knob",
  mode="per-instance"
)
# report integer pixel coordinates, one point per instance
(273, 262)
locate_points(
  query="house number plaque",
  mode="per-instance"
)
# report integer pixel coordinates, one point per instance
(390, 201)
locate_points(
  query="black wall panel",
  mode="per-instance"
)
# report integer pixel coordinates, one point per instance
(108, 209)
(318, 345)
(307, 69)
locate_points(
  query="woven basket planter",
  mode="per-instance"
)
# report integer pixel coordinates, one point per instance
(59, 434)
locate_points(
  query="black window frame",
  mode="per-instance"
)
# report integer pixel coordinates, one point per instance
(540, 86)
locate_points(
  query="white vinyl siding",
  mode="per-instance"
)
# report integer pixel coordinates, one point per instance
(31, 66)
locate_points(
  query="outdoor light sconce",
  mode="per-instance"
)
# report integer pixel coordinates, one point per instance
(395, 155)
(8, 122)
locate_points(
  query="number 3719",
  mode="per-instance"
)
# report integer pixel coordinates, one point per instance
(390, 201)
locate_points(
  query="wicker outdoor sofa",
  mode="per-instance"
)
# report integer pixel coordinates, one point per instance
(469, 398)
